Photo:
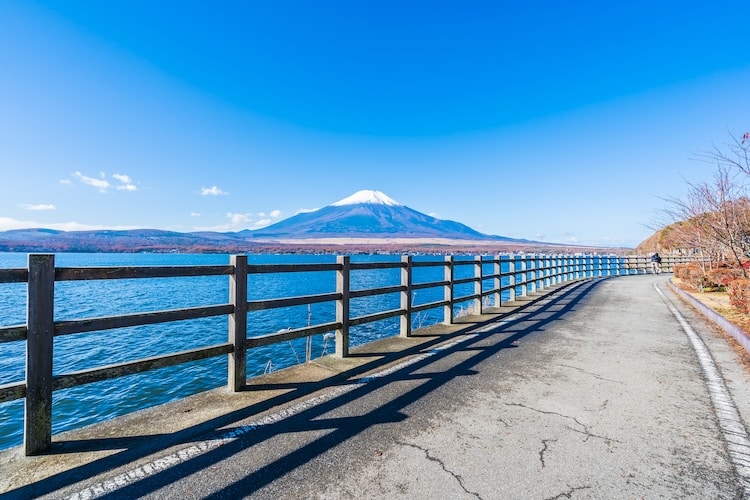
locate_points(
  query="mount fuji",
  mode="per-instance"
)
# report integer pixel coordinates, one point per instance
(366, 218)
(367, 214)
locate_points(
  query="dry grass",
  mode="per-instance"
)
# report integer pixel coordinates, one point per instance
(719, 302)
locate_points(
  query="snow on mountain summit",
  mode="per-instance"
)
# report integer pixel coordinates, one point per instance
(367, 196)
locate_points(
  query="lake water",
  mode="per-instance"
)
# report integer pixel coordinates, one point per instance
(87, 404)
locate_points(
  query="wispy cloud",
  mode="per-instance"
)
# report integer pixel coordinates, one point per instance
(124, 182)
(8, 223)
(236, 221)
(99, 183)
(38, 208)
(65, 182)
(212, 191)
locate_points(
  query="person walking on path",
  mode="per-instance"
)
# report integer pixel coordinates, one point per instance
(656, 263)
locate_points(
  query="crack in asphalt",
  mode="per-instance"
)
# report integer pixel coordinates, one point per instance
(595, 375)
(545, 447)
(569, 493)
(583, 430)
(455, 476)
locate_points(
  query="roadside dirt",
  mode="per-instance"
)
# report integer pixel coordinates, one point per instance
(719, 302)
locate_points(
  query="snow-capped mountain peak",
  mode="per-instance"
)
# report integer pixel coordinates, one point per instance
(367, 214)
(367, 196)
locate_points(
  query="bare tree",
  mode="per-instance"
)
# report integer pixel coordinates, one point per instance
(735, 155)
(689, 237)
(715, 215)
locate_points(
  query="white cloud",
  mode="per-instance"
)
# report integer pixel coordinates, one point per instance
(194, 214)
(7, 224)
(65, 182)
(38, 208)
(305, 210)
(239, 221)
(274, 214)
(101, 184)
(126, 183)
(212, 191)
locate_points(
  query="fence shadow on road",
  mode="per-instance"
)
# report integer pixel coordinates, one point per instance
(491, 336)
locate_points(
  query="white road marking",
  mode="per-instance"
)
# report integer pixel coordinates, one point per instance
(730, 422)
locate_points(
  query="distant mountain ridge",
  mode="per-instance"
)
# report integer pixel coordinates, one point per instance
(364, 216)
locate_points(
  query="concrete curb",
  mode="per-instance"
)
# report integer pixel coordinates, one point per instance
(735, 331)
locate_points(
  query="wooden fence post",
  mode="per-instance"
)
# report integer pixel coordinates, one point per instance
(512, 277)
(41, 329)
(553, 270)
(342, 305)
(496, 282)
(574, 267)
(237, 373)
(478, 284)
(406, 281)
(448, 290)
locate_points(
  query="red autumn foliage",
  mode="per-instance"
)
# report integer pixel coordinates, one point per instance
(722, 276)
(739, 294)
(692, 275)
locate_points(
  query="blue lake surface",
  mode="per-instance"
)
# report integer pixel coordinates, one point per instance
(87, 404)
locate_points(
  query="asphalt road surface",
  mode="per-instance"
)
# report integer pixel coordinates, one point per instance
(597, 391)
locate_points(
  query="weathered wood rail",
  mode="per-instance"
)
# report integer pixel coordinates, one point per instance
(524, 274)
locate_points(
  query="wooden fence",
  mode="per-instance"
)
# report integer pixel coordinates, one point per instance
(524, 274)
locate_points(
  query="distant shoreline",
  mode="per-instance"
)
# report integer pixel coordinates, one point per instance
(349, 245)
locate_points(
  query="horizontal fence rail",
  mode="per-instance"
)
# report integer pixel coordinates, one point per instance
(523, 274)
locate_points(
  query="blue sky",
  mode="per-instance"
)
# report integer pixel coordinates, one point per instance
(551, 121)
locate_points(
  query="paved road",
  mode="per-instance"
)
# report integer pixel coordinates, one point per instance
(594, 392)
